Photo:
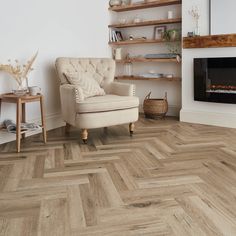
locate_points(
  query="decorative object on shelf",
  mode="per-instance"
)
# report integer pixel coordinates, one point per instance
(125, 2)
(122, 21)
(128, 67)
(19, 73)
(169, 76)
(137, 20)
(159, 32)
(155, 108)
(172, 38)
(170, 15)
(172, 35)
(115, 36)
(115, 3)
(118, 53)
(194, 12)
(152, 74)
(174, 48)
(131, 37)
(190, 34)
(34, 90)
(160, 56)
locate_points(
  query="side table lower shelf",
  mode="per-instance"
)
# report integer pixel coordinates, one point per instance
(20, 102)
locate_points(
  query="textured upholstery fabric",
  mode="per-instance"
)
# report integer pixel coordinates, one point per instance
(122, 89)
(106, 119)
(101, 104)
(102, 70)
(87, 83)
(119, 106)
(68, 103)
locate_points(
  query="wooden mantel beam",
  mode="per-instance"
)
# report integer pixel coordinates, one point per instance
(210, 41)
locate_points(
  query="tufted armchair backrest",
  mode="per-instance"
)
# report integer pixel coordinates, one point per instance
(102, 69)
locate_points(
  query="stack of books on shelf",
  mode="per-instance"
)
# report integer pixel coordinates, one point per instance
(115, 36)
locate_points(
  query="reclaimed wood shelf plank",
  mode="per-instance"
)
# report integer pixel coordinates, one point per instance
(147, 23)
(135, 41)
(173, 79)
(138, 6)
(142, 59)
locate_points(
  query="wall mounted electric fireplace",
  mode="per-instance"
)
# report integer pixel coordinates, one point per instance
(215, 79)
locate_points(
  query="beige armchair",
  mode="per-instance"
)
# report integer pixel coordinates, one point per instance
(118, 106)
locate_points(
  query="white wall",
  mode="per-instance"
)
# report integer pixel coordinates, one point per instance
(202, 112)
(55, 28)
(157, 88)
(222, 16)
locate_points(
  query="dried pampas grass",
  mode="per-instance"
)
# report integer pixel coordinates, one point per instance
(17, 71)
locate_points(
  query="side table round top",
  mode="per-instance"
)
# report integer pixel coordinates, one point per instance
(26, 96)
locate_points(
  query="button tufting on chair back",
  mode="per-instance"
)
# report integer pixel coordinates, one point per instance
(102, 69)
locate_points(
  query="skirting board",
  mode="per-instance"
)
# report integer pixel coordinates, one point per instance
(208, 118)
(53, 121)
(172, 110)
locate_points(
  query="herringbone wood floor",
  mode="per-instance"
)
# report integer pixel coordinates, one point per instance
(171, 178)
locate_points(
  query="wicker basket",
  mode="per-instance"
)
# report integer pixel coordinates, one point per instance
(155, 108)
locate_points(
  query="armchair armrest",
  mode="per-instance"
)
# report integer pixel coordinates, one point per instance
(122, 89)
(69, 97)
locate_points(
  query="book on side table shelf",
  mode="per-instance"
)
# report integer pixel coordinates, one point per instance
(25, 127)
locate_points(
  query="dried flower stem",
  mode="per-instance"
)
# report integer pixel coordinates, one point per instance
(195, 14)
(17, 71)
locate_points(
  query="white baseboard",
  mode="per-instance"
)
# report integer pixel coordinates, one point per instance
(172, 110)
(53, 121)
(208, 118)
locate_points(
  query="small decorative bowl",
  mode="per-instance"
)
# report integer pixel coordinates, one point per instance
(20, 92)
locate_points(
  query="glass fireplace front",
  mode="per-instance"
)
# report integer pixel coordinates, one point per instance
(215, 80)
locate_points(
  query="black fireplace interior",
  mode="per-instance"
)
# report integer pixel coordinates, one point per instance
(215, 79)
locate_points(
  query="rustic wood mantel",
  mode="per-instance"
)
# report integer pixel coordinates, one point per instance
(210, 41)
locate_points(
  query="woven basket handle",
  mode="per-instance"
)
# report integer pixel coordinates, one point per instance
(148, 96)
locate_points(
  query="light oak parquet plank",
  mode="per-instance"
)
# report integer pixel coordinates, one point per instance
(170, 178)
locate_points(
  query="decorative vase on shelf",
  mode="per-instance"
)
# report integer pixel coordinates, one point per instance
(125, 2)
(128, 69)
(197, 30)
(115, 3)
(118, 53)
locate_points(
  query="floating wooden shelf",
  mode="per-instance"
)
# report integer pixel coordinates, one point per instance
(174, 79)
(147, 23)
(145, 41)
(142, 59)
(138, 6)
(210, 41)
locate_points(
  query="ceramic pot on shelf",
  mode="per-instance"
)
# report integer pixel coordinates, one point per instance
(125, 2)
(115, 3)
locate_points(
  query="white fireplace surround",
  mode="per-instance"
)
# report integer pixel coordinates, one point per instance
(218, 114)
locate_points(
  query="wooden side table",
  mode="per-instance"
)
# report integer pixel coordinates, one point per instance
(20, 102)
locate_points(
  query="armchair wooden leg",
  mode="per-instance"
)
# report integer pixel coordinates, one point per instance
(131, 129)
(67, 128)
(84, 135)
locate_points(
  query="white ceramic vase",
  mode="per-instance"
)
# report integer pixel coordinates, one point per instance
(114, 3)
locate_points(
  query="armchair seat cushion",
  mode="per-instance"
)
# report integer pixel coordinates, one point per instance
(106, 103)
